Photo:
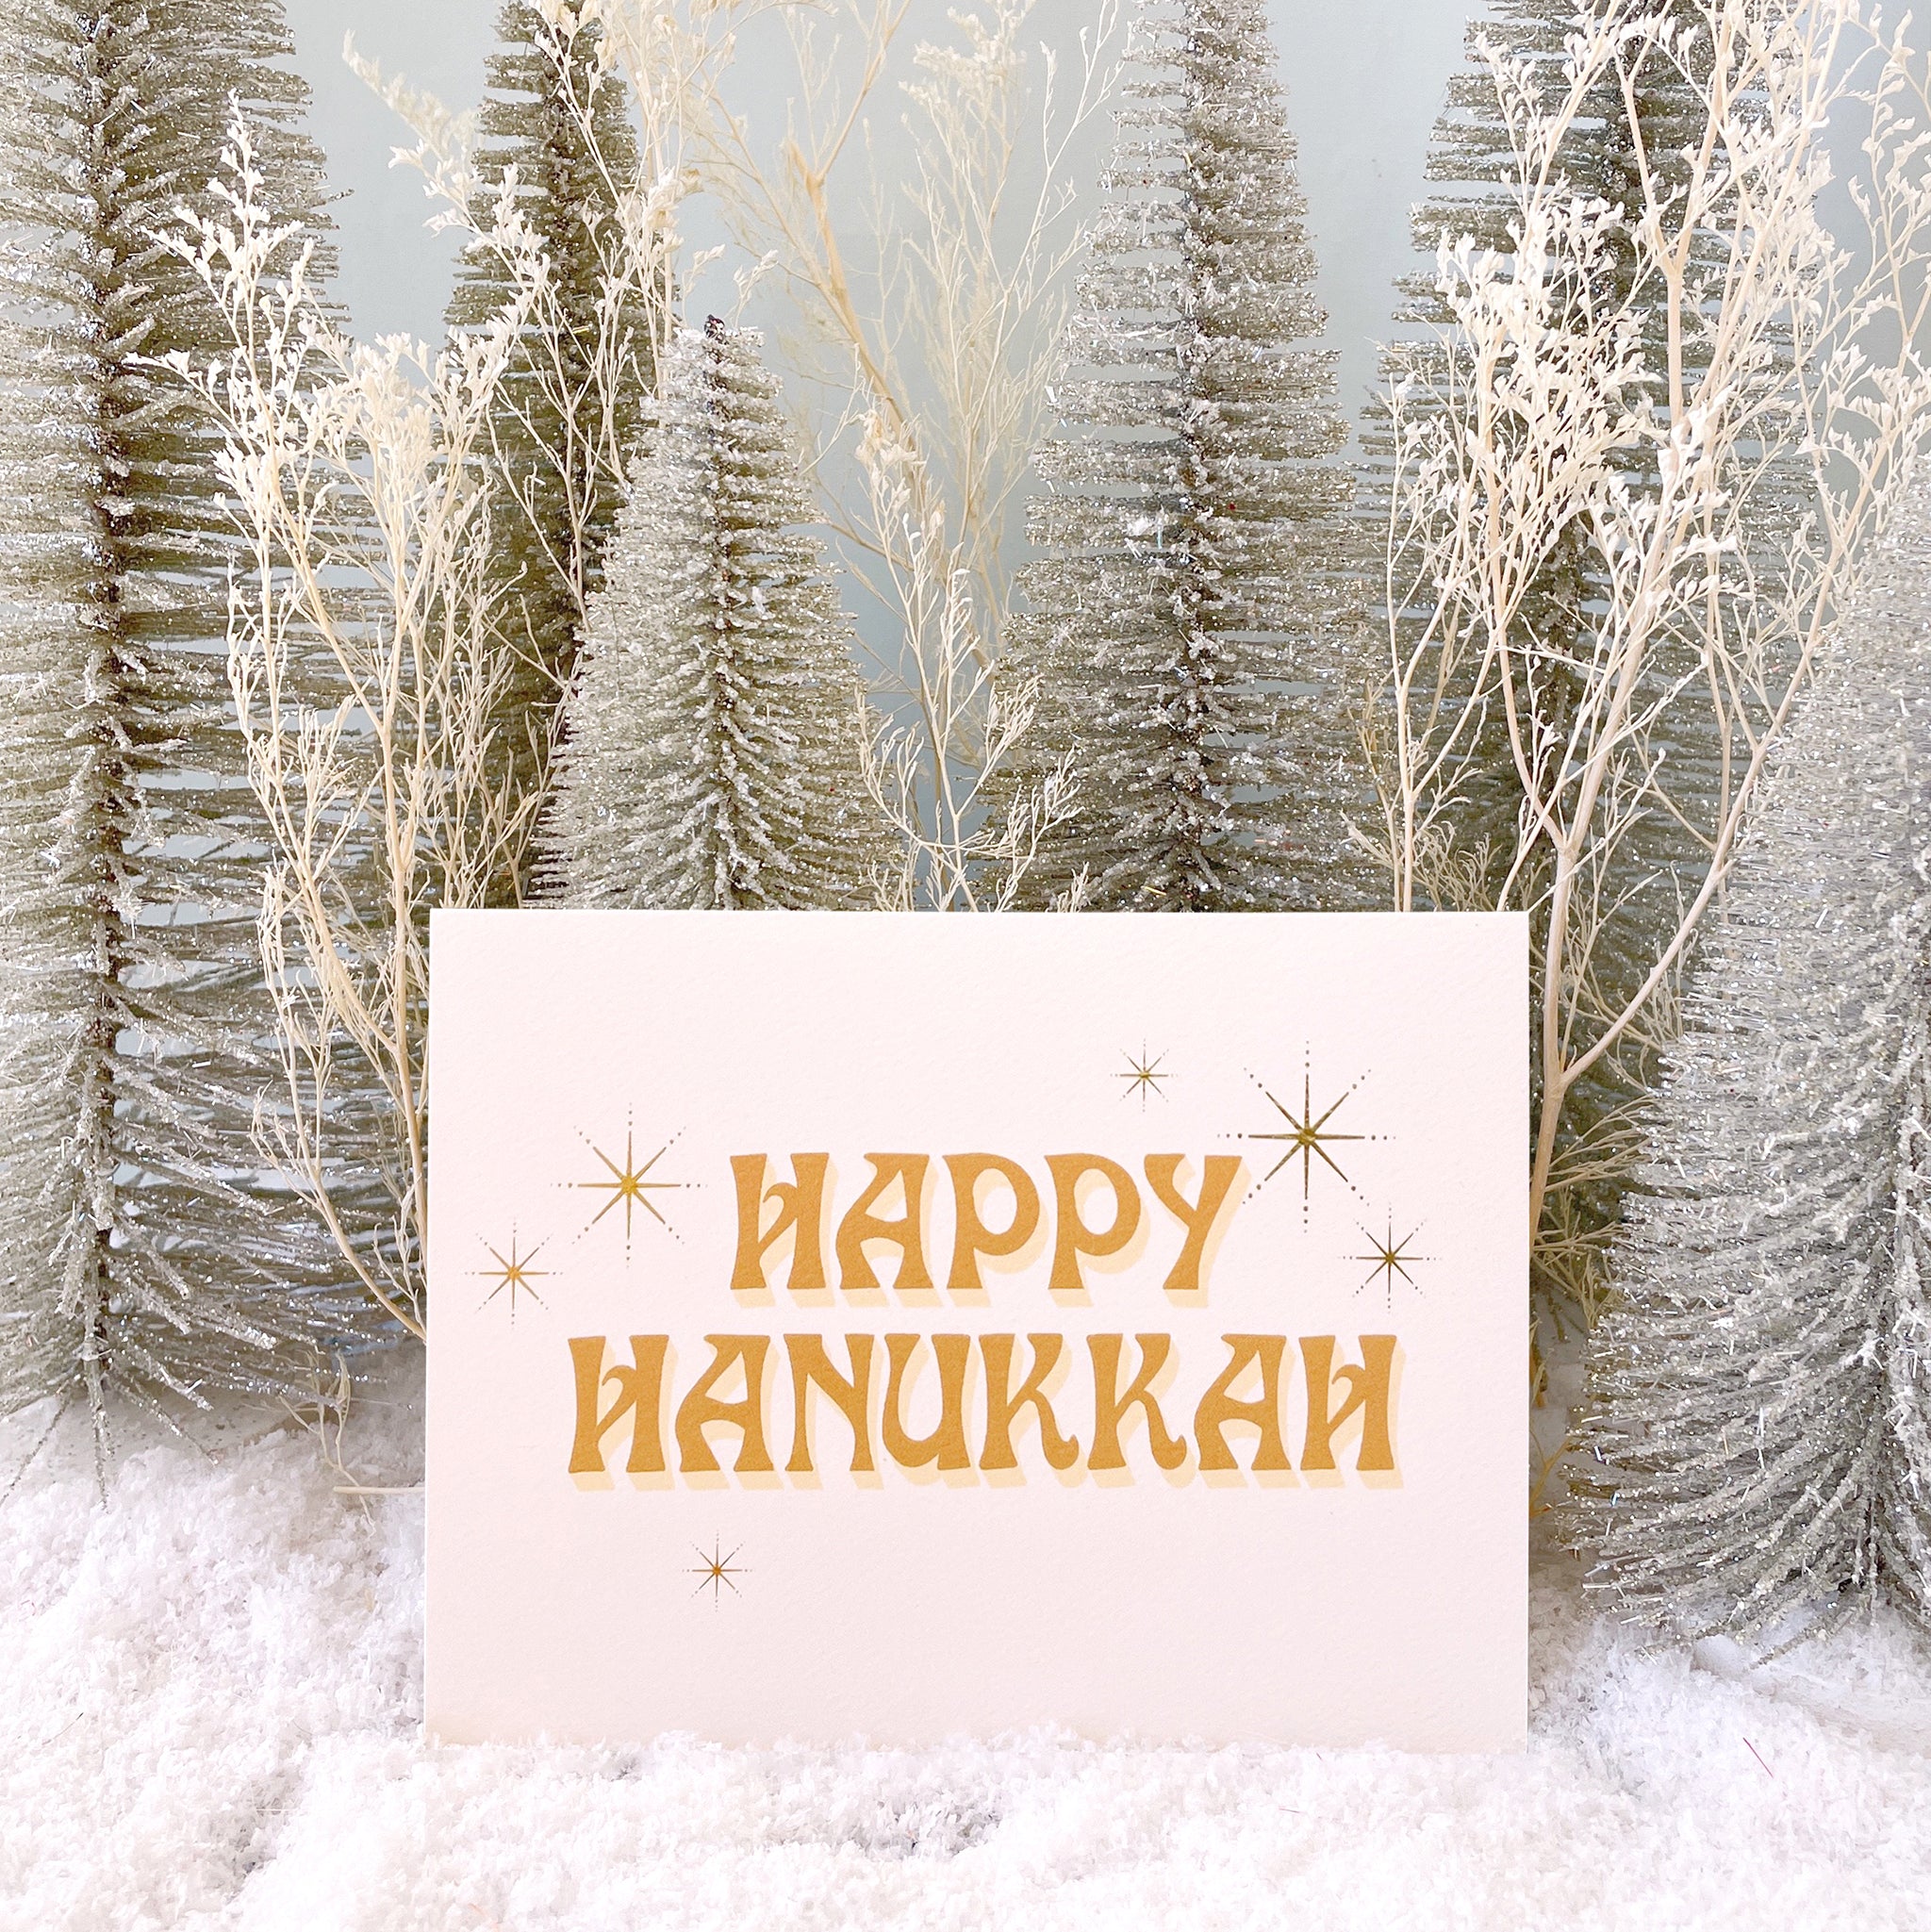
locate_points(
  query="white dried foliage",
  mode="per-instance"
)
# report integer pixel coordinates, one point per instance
(935, 335)
(358, 478)
(713, 735)
(1187, 624)
(143, 1247)
(967, 834)
(1646, 114)
(1758, 1411)
(1632, 481)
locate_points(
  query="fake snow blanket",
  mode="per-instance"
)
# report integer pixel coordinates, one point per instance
(211, 1720)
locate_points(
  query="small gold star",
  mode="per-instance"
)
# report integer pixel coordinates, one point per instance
(513, 1273)
(715, 1572)
(1390, 1258)
(629, 1184)
(1143, 1078)
(1307, 1138)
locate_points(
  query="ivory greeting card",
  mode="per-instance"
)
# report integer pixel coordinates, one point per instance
(904, 1325)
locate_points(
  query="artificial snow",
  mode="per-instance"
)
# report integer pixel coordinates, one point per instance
(212, 1707)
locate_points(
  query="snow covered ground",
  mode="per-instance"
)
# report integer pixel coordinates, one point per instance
(210, 1707)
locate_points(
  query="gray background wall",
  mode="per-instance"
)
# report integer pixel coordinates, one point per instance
(1364, 80)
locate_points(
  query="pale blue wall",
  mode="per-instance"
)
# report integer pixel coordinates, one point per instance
(1364, 79)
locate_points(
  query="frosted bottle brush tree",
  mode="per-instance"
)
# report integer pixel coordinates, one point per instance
(712, 758)
(141, 1247)
(566, 208)
(1758, 1419)
(1182, 582)
(1542, 431)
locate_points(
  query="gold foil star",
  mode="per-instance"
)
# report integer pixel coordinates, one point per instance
(1390, 1258)
(1144, 1077)
(715, 1572)
(513, 1273)
(630, 1185)
(1308, 1137)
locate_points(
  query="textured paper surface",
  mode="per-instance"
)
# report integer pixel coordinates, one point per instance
(1369, 1073)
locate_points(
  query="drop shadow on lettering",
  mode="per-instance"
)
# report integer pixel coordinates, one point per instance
(811, 1477)
(991, 1259)
(1023, 1427)
(734, 1386)
(1246, 1475)
(1240, 1433)
(909, 1244)
(1199, 1294)
(665, 1478)
(854, 1405)
(927, 1435)
(1187, 1470)
(781, 1261)
(1344, 1441)
(1086, 1260)
(1134, 1427)
(647, 1433)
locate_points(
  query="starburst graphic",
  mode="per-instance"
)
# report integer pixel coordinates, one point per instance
(714, 1573)
(1390, 1258)
(1306, 1136)
(1144, 1076)
(629, 1185)
(513, 1271)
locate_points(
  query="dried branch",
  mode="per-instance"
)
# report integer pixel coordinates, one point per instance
(356, 477)
(1701, 403)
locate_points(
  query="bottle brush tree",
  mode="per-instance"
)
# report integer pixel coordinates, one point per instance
(141, 1246)
(713, 737)
(558, 178)
(1758, 1428)
(1186, 608)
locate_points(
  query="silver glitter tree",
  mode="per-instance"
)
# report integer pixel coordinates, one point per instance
(711, 757)
(1758, 1413)
(1186, 627)
(140, 1249)
(569, 406)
